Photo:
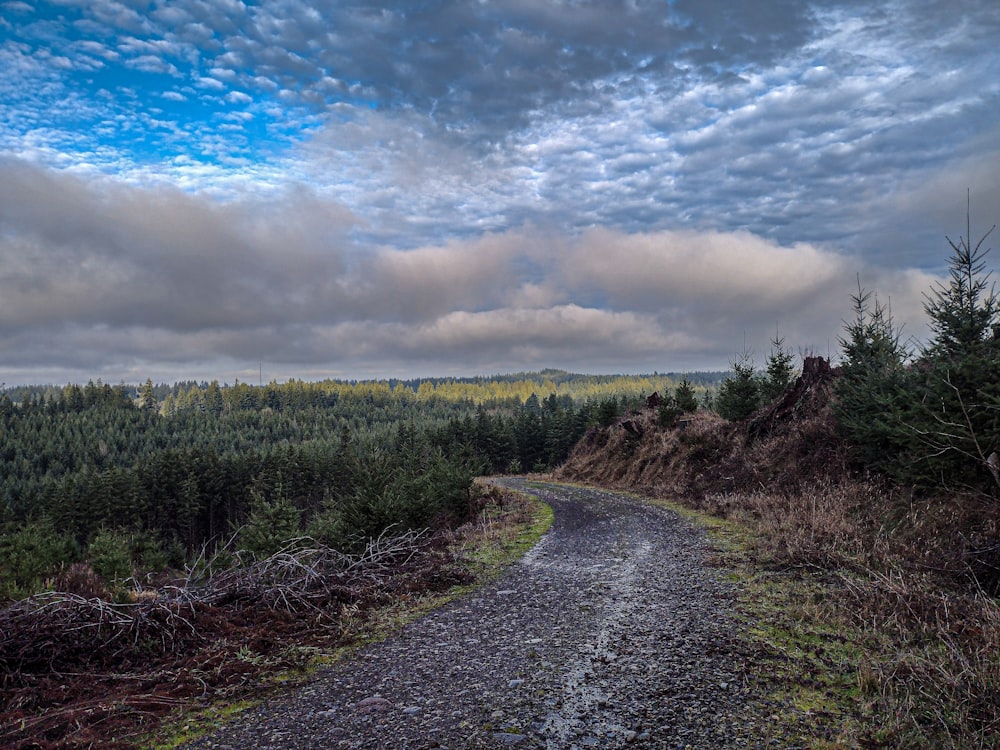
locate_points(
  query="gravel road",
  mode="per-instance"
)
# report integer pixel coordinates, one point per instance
(610, 633)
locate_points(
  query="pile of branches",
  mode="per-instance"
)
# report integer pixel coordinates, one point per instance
(75, 668)
(305, 575)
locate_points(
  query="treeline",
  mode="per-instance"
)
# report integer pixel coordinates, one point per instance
(130, 480)
(494, 391)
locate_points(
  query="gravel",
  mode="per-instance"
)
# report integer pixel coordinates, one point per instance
(610, 633)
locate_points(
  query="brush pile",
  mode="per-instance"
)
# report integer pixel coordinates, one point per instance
(77, 669)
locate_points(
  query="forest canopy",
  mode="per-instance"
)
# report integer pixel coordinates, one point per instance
(159, 474)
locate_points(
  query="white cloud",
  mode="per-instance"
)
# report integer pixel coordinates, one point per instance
(205, 82)
(238, 97)
(152, 64)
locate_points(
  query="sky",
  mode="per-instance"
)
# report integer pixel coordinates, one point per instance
(219, 189)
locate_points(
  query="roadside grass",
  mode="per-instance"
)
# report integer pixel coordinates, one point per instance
(880, 635)
(503, 535)
(196, 725)
(507, 525)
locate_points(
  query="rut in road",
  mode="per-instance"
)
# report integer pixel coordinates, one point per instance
(610, 633)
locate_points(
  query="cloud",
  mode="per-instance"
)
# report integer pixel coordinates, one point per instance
(158, 258)
(153, 64)
(238, 97)
(138, 277)
(417, 182)
(937, 198)
(509, 60)
(15, 6)
(803, 150)
(206, 82)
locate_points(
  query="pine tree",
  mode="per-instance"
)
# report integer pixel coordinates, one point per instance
(778, 369)
(271, 525)
(147, 397)
(29, 553)
(739, 394)
(956, 420)
(684, 397)
(869, 394)
(214, 403)
(110, 555)
(963, 311)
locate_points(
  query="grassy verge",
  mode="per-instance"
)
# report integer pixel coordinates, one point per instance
(874, 637)
(503, 535)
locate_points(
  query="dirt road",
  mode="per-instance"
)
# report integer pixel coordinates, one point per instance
(610, 633)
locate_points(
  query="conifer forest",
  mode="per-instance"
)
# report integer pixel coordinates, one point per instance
(141, 479)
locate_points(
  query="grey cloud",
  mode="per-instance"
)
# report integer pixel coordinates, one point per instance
(535, 336)
(172, 16)
(97, 49)
(77, 353)
(488, 79)
(934, 201)
(132, 278)
(152, 64)
(407, 285)
(796, 153)
(745, 32)
(111, 255)
(120, 16)
(485, 65)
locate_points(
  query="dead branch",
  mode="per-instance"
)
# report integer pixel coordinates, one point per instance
(182, 639)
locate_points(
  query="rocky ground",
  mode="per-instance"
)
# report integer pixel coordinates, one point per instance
(610, 633)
